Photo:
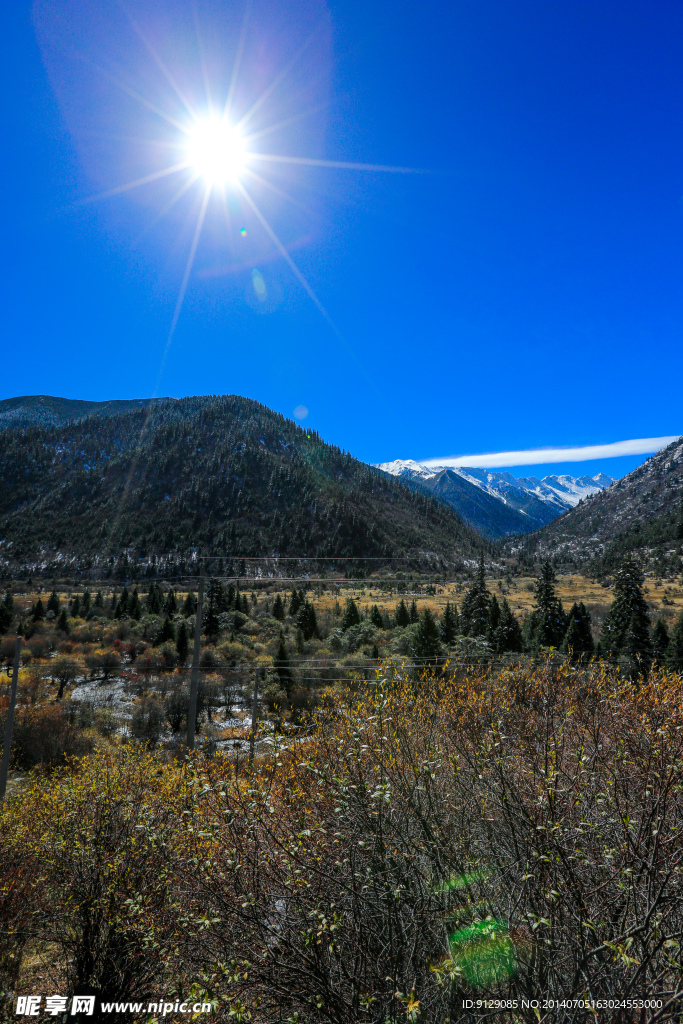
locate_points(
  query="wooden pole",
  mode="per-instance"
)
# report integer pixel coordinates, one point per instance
(4, 767)
(254, 713)
(194, 679)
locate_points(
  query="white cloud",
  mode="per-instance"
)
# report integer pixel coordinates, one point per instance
(541, 456)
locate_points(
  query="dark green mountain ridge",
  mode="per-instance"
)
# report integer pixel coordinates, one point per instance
(641, 515)
(159, 484)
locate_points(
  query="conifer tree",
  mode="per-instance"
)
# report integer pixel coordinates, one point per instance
(282, 666)
(182, 643)
(427, 643)
(376, 617)
(674, 654)
(6, 611)
(171, 604)
(294, 602)
(99, 600)
(134, 606)
(155, 599)
(214, 603)
(414, 614)
(38, 611)
(548, 622)
(629, 601)
(578, 640)
(474, 614)
(86, 604)
(63, 622)
(306, 621)
(402, 616)
(189, 605)
(278, 609)
(53, 603)
(300, 649)
(167, 631)
(494, 614)
(507, 635)
(351, 615)
(449, 624)
(121, 610)
(660, 642)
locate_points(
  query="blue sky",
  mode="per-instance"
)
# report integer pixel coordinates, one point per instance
(525, 292)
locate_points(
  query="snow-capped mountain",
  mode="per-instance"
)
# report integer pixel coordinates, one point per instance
(528, 503)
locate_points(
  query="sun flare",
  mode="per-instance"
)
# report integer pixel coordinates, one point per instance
(216, 151)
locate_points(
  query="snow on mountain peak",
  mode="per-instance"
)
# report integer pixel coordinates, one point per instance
(562, 492)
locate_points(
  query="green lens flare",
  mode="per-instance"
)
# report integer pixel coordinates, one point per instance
(484, 953)
(461, 881)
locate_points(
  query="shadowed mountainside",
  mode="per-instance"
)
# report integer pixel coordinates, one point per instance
(219, 476)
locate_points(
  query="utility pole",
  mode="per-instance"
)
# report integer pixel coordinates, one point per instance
(194, 680)
(4, 767)
(254, 712)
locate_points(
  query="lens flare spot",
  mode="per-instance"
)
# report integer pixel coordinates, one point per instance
(259, 285)
(301, 412)
(243, 232)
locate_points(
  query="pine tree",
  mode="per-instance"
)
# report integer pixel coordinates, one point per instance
(134, 607)
(278, 609)
(182, 643)
(402, 616)
(494, 614)
(449, 624)
(155, 599)
(474, 614)
(376, 617)
(507, 635)
(214, 604)
(414, 614)
(75, 607)
(548, 621)
(427, 644)
(578, 640)
(171, 604)
(282, 666)
(38, 611)
(122, 605)
(189, 605)
(86, 604)
(6, 611)
(637, 644)
(674, 654)
(99, 600)
(53, 603)
(63, 622)
(351, 615)
(295, 602)
(660, 642)
(306, 621)
(167, 631)
(628, 602)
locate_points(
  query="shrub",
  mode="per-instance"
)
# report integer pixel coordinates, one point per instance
(44, 736)
(148, 720)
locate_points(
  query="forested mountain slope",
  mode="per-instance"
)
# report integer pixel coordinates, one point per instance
(640, 514)
(46, 411)
(209, 476)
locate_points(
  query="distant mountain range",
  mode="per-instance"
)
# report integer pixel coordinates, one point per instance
(498, 504)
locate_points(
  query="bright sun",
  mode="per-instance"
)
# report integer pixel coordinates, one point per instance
(216, 150)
